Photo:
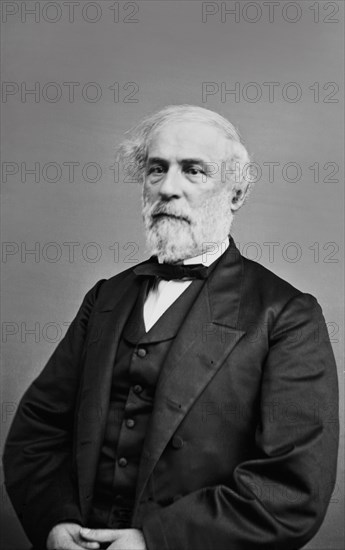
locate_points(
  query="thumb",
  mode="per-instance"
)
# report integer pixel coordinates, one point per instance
(99, 535)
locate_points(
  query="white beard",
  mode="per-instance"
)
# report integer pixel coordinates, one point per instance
(191, 231)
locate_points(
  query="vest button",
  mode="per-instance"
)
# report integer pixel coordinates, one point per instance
(123, 462)
(137, 388)
(130, 423)
(177, 442)
(141, 352)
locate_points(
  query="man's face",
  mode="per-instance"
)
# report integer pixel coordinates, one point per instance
(186, 203)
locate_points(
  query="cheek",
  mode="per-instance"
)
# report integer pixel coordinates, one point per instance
(197, 196)
(148, 192)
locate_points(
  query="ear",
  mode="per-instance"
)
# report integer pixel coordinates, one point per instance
(238, 196)
(240, 160)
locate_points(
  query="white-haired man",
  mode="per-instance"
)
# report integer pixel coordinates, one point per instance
(187, 408)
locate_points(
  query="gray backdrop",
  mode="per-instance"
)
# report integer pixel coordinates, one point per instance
(77, 75)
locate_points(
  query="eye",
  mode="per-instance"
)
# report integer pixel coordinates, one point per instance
(155, 169)
(195, 171)
(155, 172)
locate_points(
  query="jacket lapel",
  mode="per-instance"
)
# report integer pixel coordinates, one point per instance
(110, 316)
(206, 338)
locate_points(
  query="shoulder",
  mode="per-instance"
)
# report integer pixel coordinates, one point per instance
(265, 282)
(124, 277)
(108, 291)
(264, 290)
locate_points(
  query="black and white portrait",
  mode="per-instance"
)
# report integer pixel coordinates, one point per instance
(172, 256)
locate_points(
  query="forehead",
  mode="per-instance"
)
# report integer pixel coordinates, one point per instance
(187, 139)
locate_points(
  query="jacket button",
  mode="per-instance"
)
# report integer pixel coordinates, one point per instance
(137, 388)
(141, 352)
(130, 423)
(123, 462)
(177, 442)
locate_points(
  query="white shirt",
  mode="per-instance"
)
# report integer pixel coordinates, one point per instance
(163, 295)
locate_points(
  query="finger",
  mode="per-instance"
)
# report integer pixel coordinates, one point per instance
(86, 545)
(99, 535)
(89, 545)
(70, 545)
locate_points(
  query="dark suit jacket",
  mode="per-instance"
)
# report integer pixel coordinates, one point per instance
(242, 444)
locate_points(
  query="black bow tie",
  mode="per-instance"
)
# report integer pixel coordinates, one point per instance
(172, 271)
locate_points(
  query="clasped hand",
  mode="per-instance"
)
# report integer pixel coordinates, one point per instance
(71, 536)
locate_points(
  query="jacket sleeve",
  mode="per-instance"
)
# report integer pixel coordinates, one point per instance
(279, 497)
(38, 451)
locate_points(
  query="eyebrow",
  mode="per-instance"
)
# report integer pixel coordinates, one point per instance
(182, 162)
(156, 160)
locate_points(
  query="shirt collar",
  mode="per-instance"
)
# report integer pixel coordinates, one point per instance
(212, 252)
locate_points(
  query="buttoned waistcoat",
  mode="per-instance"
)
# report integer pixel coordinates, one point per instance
(139, 359)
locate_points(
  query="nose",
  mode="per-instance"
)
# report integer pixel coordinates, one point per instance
(170, 186)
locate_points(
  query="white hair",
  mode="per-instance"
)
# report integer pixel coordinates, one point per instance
(132, 152)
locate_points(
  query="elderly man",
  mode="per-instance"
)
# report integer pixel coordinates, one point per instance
(187, 407)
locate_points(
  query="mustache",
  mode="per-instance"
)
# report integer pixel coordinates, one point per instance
(162, 210)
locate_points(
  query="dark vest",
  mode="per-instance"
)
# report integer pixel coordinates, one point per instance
(139, 358)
